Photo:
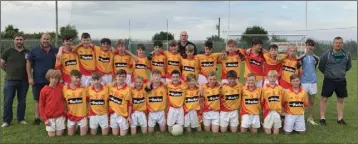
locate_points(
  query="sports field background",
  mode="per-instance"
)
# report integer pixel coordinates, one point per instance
(333, 133)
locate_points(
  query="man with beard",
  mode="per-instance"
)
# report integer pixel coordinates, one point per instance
(13, 62)
(183, 42)
(40, 59)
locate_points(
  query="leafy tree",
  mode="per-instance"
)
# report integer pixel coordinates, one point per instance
(246, 36)
(10, 31)
(215, 38)
(275, 38)
(162, 36)
(69, 30)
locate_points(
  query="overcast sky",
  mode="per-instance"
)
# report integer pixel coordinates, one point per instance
(111, 19)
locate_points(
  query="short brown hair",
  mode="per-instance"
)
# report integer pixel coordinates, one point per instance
(138, 77)
(294, 76)
(18, 35)
(212, 73)
(190, 77)
(76, 73)
(96, 76)
(156, 71)
(189, 48)
(251, 75)
(52, 73)
(231, 42)
(173, 43)
(141, 46)
(121, 72)
(120, 42)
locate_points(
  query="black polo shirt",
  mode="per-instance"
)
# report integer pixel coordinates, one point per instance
(181, 48)
(15, 64)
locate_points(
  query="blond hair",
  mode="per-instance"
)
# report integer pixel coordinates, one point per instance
(212, 73)
(120, 42)
(190, 77)
(138, 77)
(272, 73)
(291, 46)
(189, 48)
(52, 73)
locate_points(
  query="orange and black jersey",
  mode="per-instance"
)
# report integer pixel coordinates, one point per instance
(232, 62)
(289, 67)
(119, 99)
(250, 102)
(67, 63)
(293, 102)
(192, 99)
(173, 62)
(253, 64)
(86, 57)
(230, 97)
(271, 99)
(208, 62)
(98, 100)
(104, 60)
(157, 98)
(159, 62)
(270, 63)
(122, 62)
(140, 68)
(138, 101)
(211, 97)
(176, 94)
(76, 101)
(189, 66)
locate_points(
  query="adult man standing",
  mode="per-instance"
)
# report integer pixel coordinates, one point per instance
(41, 58)
(334, 64)
(183, 42)
(309, 63)
(13, 62)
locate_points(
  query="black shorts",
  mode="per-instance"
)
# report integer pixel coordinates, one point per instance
(330, 86)
(36, 89)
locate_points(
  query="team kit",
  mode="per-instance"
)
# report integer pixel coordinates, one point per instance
(110, 88)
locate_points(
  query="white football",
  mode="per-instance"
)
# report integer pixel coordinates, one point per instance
(177, 130)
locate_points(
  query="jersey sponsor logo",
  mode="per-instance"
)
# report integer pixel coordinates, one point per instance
(138, 100)
(104, 59)
(70, 62)
(289, 69)
(140, 66)
(232, 64)
(119, 64)
(86, 57)
(207, 64)
(274, 99)
(97, 102)
(175, 93)
(296, 104)
(173, 63)
(188, 68)
(156, 99)
(160, 64)
(213, 97)
(232, 97)
(252, 101)
(75, 101)
(252, 61)
(192, 99)
(115, 99)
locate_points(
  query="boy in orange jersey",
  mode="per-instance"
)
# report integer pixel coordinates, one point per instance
(271, 101)
(230, 61)
(119, 99)
(122, 60)
(52, 105)
(176, 96)
(250, 105)
(76, 98)
(190, 64)
(85, 58)
(139, 106)
(98, 111)
(230, 102)
(273, 61)
(68, 60)
(156, 102)
(140, 63)
(173, 59)
(192, 109)
(290, 66)
(104, 60)
(207, 62)
(211, 109)
(295, 100)
(158, 59)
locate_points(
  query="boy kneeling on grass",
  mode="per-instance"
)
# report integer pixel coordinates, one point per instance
(51, 104)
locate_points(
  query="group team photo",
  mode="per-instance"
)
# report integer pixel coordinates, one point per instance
(81, 88)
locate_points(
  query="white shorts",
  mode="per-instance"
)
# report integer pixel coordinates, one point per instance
(138, 119)
(266, 81)
(250, 120)
(86, 80)
(231, 117)
(202, 79)
(157, 117)
(294, 122)
(272, 120)
(310, 88)
(107, 79)
(56, 124)
(259, 83)
(81, 123)
(117, 121)
(211, 117)
(191, 119)
(224, 81)
(175, 116)
(101, 120)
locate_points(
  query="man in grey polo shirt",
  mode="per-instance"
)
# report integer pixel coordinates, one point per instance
(13, 62)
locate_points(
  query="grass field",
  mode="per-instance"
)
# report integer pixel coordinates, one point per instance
(333, 133)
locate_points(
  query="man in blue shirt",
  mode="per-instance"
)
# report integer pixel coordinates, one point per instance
(41, 58)
(309, 63)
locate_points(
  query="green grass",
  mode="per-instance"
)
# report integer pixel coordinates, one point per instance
(333, 133)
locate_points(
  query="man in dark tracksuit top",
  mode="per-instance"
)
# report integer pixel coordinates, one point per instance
(334, 64)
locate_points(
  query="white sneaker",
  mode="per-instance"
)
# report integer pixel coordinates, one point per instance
(23, 122)
(310, 120)
(4, 125)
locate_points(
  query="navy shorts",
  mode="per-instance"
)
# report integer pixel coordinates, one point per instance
(36, 89)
